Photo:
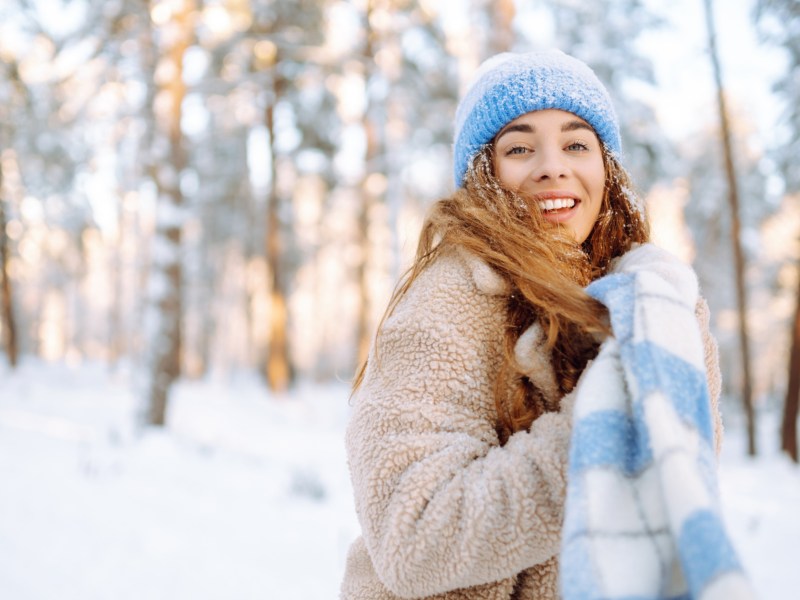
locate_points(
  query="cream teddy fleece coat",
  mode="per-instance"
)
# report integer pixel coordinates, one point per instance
(447, 512)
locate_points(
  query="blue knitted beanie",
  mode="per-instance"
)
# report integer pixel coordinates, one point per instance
(509, 85)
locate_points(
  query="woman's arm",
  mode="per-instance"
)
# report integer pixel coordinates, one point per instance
(442, 506)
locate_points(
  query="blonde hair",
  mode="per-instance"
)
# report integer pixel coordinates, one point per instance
(546, 269)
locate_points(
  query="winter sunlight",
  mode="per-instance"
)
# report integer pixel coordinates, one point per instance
(205, 208)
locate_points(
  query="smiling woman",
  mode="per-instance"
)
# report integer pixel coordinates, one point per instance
(472, 399)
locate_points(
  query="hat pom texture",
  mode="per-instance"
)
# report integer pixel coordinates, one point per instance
(510, 85)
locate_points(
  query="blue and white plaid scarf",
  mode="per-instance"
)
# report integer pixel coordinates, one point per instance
(642, 515)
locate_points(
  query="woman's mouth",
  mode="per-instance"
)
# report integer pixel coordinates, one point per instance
(556, 204)
(558, 210)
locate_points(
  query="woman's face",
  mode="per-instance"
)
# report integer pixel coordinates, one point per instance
(554, 158)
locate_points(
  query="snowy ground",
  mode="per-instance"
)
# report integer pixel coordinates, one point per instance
(241, 496)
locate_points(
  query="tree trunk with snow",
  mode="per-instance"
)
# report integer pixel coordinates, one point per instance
(369, 193)
(6, 297)
(790, 406)
(116, 336)
(785, 13)
(278, 368)
(739, 262)
(166, 273)
(501, 33)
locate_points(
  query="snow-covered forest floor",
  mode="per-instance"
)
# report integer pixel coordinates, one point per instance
(242, 495)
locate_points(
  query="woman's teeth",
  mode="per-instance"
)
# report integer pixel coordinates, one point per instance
(556, 204)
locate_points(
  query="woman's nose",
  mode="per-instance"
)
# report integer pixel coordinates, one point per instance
(550, 165)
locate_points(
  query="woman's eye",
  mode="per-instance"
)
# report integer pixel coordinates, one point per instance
(577, 146)
(516, 150)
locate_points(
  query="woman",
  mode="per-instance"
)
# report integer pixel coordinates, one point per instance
(459, 439)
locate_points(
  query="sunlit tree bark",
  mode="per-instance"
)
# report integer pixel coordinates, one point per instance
(733, 199)
(6, 297)
(502, 31)
(787, 13)
(278, 369)
(166, 275)
(370, 193)
(116, 338)
(790, 407)
(10, 73)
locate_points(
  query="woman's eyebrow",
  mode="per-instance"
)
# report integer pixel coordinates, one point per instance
(575, 125)
(522, 127)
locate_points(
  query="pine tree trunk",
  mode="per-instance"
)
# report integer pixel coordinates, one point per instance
(6, 297)
(167, 310)
(363, 326)
(278, 367)
(790, 406)
(77, 331)
(368, 197)
(502, 31)
(733, 198)
(116, 342)
(250, 287)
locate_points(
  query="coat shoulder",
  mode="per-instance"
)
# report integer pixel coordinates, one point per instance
(457, 288)
(486, 279)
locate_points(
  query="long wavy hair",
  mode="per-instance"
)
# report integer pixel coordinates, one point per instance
(546, 269)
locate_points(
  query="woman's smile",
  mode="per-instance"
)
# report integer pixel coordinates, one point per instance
(557, 206)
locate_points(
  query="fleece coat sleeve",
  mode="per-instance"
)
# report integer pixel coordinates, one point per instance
(441, 504)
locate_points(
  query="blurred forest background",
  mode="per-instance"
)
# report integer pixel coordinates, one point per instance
(191, 187)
